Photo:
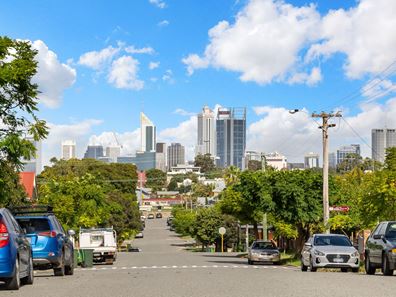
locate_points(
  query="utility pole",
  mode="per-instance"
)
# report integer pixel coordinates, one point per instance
(325, 126)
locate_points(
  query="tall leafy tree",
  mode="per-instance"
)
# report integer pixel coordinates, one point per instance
(156, 179)
(206, 162)
(18, 102)
(390, 159)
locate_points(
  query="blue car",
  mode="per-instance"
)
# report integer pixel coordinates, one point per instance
(52, 247)
(16, 265)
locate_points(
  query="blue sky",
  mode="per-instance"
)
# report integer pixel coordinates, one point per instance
(267, 55)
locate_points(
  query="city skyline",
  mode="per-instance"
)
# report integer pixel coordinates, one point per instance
(95, 82)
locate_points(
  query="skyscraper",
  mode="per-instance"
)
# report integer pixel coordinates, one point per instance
(160, 156)
(176, 155)
(68, 149)
(113, 152)
(34, 163)
(94, 152)
(381, 139)
(148, 134)
(311, 160)
(345, 151)
(230, 136)
(206, 143)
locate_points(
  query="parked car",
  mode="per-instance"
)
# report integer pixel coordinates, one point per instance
(16, 264)
(158, 215)
(139, 235)
(263, 251)
(169, 221)
(150, 216)
(103, 241)
(329, 251)
(380, 251)
(52, 247)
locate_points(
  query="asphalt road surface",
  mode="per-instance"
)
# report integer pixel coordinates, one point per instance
(164, 269)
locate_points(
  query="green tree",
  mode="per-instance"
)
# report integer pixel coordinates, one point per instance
(156, 179)
(390, 159)
(205, 162)
(11, 191)
(231, 175)
(206, 226)
(350, 162)
(18, 101)
(183, 221)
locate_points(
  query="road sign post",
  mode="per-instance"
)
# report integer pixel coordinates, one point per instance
(222, 231)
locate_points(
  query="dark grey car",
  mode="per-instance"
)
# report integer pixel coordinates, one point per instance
(380, 249)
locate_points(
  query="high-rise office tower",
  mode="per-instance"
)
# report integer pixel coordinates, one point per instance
(160, 156)
(148, 134)
(332, 160)
(381, 139)
(230, 136)
(34, 163)
(68, 149)
(311, 160)
(94, 152)
(113, 152)
(345, 151)
(176, 155)
(206, 143)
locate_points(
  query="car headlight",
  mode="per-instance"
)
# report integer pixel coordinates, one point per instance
(319, 253)
(355, 254)
(394, 251)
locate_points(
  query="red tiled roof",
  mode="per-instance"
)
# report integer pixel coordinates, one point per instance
(28, 181)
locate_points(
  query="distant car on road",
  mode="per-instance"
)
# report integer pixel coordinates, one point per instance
(52, 247)
(380, 249)
(16, 264)
(158, 215)
(150, 216)
(263, 251)
(169, 221)
(139, 235)
(329, 251)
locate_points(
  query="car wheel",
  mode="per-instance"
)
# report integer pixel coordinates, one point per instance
(276, 263)
(28, 280)
(60, 271)
(385, 266)
(370, 269)
(312, 268)
(344, 269)
(303, 267)
(14, 283)
(250, 262)
(69, 269)
(355, 270)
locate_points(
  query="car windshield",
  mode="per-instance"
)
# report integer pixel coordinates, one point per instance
(263, 246)
(391, 231)
(34, 225)
(332, 240)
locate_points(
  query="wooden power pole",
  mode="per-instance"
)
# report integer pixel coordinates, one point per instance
(325, 126)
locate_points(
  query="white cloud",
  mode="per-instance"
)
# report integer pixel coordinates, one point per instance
(154, 65)
(98, 59)
(53, 77)
(377, 88)
(78, 132)
(168, 76)
(144, 50)
(123, 74)
(159, 3)
(272, 40)
(185, 133)
(130, 141)
(163, 23)
(296, 135)
(183, 112)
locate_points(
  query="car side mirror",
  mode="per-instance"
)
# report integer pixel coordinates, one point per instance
(308, 244)
(71, 233)
(377, 236)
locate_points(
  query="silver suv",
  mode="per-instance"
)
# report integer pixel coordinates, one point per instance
(329, 251)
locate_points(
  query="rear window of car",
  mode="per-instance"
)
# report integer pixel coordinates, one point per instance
(34, 225)
(264, 245)
(332, 240)
(391, 231)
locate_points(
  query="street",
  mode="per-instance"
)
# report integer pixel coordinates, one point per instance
(163, 268)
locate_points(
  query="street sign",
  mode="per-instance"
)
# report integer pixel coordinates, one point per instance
(342, 208)
(222, 230)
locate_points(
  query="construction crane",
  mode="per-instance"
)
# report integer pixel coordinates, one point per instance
(116, 139)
